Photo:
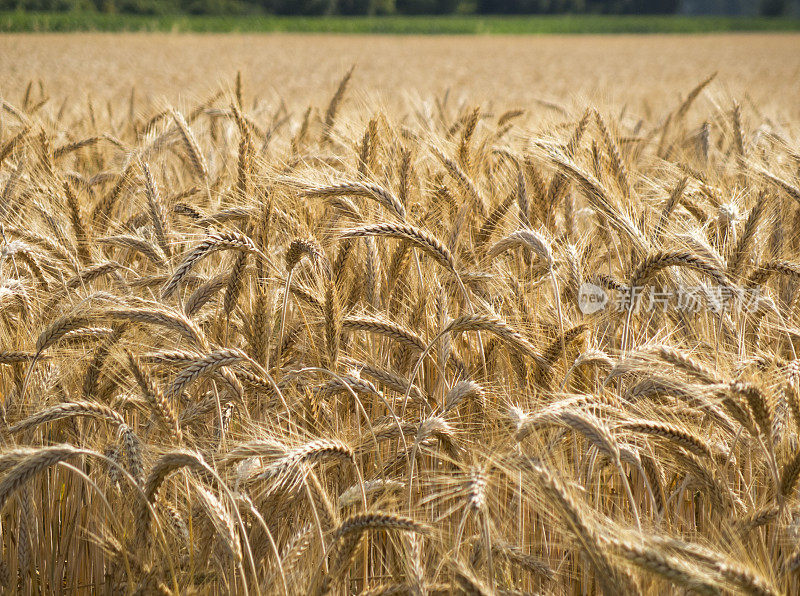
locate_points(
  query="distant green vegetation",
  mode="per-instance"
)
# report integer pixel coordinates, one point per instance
(93, 21)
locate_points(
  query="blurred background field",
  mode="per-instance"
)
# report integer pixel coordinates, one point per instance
(541, 74)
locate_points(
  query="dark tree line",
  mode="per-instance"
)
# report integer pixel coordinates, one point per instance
(578, 6)
(383, 7)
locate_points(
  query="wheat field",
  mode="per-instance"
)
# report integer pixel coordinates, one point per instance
(309, 315)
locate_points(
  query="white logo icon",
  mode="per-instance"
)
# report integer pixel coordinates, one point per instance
(591, 298)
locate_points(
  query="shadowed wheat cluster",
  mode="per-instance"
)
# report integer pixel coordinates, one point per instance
(252, 348)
